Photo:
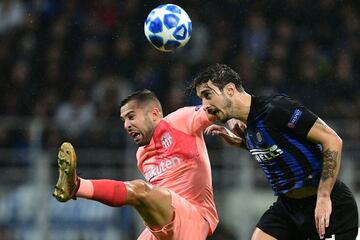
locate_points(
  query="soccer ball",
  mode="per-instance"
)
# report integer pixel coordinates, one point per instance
(168, 27)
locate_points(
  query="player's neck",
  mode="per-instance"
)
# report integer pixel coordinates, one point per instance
(241, 107)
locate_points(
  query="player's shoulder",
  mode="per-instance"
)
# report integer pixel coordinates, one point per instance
(271, 106)
(183, 112)
(281, 97)
(277, 100)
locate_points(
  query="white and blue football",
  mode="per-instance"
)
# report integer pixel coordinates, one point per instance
(168, 27)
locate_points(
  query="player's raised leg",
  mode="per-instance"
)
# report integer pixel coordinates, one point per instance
(152, 203)
(68, 181)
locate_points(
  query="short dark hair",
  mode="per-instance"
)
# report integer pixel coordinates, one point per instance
(142, 96)
(219, 75)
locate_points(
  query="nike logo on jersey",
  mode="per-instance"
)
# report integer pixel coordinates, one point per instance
(265, 154)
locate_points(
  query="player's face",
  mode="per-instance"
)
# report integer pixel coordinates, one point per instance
(137, 122)
(214, 101)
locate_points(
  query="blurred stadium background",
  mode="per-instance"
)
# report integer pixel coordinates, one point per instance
(65, 65)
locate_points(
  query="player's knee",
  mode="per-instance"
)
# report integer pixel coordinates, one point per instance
(138, 191)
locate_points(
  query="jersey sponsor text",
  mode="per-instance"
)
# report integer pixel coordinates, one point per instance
(162, 168)
(265, 154)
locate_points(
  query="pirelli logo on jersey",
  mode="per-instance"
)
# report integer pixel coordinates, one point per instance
(265, 154)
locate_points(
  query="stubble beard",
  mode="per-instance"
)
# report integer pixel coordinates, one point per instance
(147, 133)
(227, 107)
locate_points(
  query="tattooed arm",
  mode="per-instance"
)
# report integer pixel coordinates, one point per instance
(332, 146)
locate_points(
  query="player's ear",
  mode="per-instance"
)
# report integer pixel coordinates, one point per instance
(156, 113)
(230, 89)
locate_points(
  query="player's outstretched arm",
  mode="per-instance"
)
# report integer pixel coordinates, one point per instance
(234, 137)
(332, 146)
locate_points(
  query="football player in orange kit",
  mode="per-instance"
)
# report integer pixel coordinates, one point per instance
(176, 200)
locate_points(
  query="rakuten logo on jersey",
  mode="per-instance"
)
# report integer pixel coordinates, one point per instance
(265, 154)
(164, 166)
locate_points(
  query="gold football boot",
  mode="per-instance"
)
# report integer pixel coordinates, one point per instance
(68, 182)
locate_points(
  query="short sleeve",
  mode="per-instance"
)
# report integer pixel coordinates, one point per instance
(191, 120)
(291, 116)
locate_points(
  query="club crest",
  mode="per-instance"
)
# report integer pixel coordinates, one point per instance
(166, 140)
(259, 137)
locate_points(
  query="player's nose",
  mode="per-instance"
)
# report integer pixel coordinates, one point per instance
(127, 125)
(205, 105)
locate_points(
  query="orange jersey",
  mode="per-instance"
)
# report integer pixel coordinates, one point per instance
(176, 158)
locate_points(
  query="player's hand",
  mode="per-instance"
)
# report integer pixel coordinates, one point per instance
(237, 127)
(322, 214)
(226, 134)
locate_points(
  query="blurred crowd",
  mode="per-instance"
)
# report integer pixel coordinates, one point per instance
(69, 63)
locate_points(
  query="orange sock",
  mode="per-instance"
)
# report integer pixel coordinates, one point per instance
(109, 192)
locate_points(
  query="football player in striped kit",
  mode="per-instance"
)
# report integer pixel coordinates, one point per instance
(298, 152)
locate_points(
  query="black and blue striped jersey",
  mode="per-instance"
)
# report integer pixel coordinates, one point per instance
(277, 127)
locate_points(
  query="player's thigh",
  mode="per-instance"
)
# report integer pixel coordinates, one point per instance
(152, 203)
(187, 223)
(344, 216)
(261, 235)
(275, 223)
(351, 234)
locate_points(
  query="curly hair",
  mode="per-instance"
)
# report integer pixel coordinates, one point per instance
(219, 75)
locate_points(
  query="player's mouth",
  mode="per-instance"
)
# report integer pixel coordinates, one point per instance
(136, 136)
(214, 111)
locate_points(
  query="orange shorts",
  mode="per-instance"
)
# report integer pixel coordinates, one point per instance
(187, 223)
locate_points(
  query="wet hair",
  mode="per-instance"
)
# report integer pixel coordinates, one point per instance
(219, 75)
(142, 96)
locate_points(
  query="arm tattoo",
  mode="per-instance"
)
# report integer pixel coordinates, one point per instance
(329, 164)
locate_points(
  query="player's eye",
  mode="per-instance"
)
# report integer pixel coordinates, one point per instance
(207, 95)
(131, 116)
